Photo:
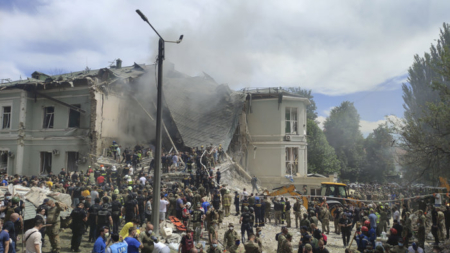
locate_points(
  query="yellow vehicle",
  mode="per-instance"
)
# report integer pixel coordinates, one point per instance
(287, 190)
(333, 192)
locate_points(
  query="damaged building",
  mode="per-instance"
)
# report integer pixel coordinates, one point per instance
(69, 120)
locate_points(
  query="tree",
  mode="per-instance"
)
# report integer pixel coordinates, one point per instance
(379, 159)
(342, 131)
(425, 130)
(321, 156)
(310, 109)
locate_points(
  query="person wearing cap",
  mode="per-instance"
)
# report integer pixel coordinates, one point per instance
(213, 231)
(308, 248)
(230, 236)
(251, 246)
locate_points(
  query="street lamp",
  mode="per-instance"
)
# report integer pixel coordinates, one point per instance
(157, 176)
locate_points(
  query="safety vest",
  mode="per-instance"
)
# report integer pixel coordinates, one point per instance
(119, 247)
(378, 217)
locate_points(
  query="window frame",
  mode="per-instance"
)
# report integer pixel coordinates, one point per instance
(45, 116)
(3, 115)
(292, 123)
(79, 113)
(295, 153)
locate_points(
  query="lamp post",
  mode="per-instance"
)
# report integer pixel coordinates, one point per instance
(157, 175)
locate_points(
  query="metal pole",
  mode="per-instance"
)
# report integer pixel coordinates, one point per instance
(157, 176)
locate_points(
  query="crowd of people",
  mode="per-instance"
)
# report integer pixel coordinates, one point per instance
(112, 209)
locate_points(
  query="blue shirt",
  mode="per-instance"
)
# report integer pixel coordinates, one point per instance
(4, 237)
(205, 206)
(373, 220)
(99, 245)
(179, 202)
(5, 182)
(133, 245)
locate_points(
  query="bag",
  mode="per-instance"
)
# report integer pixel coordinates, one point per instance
(276, 236)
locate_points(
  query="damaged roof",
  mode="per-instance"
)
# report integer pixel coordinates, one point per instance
(203, 111)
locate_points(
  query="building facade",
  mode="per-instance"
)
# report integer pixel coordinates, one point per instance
(276, 122)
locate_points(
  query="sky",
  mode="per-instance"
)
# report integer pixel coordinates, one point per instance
(342, 50)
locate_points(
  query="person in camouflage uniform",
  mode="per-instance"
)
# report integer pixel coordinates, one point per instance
(325, 218)
(237, 247)
(267, 207)
(227, 198)
(297, 212)
(229, 238)
(213, 232)
(286, 247)
(251, 246)
(281, 238)
(214, 247)
(54, 223)
(305, 222)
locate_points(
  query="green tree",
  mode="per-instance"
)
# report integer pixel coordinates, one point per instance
(342, 131)
(310, 109)
(321, 156)
(379, 159)
(424, 133)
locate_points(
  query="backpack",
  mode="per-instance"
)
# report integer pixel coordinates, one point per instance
(102, 217)
(276, 236)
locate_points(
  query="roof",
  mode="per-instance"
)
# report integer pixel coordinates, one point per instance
(204, 112)
(332, 183)
(272, 92)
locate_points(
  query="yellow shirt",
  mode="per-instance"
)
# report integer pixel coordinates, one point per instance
(49, 184)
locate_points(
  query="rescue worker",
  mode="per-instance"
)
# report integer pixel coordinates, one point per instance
(117, 246)
(213, 231)
(407, 229)
(297, 212)
(420, 233)
(146, 238)
(286, 247)
(236, 202)
(337, 228)
(305, 222)
(79, 217)
(131, 209)
(227, 203)
(362, 239)
(283, 210)
(92, 220)
(54, 223)
(258, 208)
(104, 218)
(400, 248)
(116, 212)
(197, 218)
(216, 200)
(313, 218)
(281, 237)
(214, 248)
(237, 247)
(258, 238)
(245, 203)
(230, 236)
(245, 223)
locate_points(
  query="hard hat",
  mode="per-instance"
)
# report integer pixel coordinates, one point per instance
(116, 191)
(101, 165)
(367, 222)
(251, 209)
(393, 231)
(188, 204)
(364, 229)
(15, 200)
(114, 168)
(130, 188)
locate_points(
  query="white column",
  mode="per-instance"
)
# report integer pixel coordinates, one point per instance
(21, 133)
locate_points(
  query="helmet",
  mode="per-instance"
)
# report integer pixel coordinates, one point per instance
(116, 191)
(364, 229)
(130, 188)
(101, 165)
(393, 231)
(381, 207)
(15, 200)
(245, 208)
(114, 142)
(367, 223)
(188, 204)
(251, 209)
(114, 168)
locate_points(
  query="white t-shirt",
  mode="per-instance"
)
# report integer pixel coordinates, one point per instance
(160, 247)
(162, 205)
(411, 250)
(397, 216)
(143, 180)
(130, 171)
(33, 239)
(438, 199)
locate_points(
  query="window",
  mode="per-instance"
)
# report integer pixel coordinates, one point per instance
(72, 161)
(292, 161)
(48, 116)
(6, 117)
(74, 117)
(291, 120)
(46, 162)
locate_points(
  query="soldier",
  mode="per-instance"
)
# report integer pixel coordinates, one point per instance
(297, 212)
(407, 229)
(305, 222)
(288, 213)
(227, 203)
(258, 238)
(325, 217)
(214, 248)
(236, 202)
(220, 213)
(283, 210)
(277, 209)
(267, 209)
(79, 217)
(237, 247)
(286, 247)
(281, 237)
(54, 223)
(441, 225)
(337, 228)
(172, 204)
(313, 218)
(197, 218)
(420, 233)
(245, 202)
(146, 238)
(230, 237)
(251, 246)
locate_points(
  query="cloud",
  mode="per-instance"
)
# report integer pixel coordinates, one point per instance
(331, 47)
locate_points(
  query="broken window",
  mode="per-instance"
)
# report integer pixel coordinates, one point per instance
(48, 116)
(72, 161)
(74, 117)
(46, 162)
(292, 161)
(3, 161)
(291, 120)
(6, 117)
